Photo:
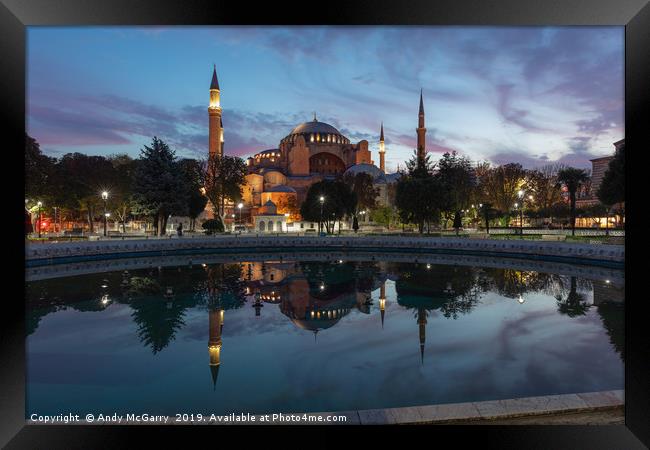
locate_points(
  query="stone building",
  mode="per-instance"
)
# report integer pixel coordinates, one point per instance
(311, 152)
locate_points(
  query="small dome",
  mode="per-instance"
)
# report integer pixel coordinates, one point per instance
(282, 188)
(372, 170)
(392, 177)
(269, 208)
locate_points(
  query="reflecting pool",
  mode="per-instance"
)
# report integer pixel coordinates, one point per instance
(307, 336)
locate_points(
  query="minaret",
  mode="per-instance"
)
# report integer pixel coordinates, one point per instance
(421, 131)
(221, 133)
(382, 300)
(422, 322)
(215, 320)
(382, 149)
(215, 131)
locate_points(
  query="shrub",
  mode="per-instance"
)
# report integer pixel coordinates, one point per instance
(212, 226)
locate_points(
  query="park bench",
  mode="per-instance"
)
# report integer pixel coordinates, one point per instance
(553, 237)
(74, 232)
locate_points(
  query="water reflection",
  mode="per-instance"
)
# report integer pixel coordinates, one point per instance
(314, 296)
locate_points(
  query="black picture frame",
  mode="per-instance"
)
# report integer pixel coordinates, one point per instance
(16, 15)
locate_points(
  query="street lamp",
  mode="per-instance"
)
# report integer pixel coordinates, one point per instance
(240, 206)
(521, 213)
(39, 218)
(320, 223)
(105, 197)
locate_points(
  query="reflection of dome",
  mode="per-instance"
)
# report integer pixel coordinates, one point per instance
(281, 188)
(324, 131)
(313, 325)
(375, 172)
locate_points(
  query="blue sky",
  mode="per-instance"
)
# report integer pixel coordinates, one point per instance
(528, 94)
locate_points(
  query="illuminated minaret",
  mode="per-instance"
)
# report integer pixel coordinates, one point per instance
(215, 130)
(382, 301)
(215, 320)
(221, 133)
(421, 131)
(382, 149)
(422, 322)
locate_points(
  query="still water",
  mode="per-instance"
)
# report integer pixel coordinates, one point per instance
(304, 336)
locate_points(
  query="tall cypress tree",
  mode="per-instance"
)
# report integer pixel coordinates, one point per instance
(159, 184)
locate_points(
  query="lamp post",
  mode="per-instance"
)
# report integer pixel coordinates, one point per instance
(105, 198)
(39, 218)
(320, 223)
(521, 214)
(240, 206)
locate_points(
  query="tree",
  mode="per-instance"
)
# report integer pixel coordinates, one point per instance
(362, 184)
(38, 171)
(457, 179)
(382, 215)
(191, 171)
(159, 189)
(223, 178)
(543, 185)
(418, 194)
(419, 200)
(572, 179)
(121, 190)
(612, 187)
(420, 166)
(488, 213)
(79, 182)
(340, 201)
(574, 303)
(499, 185)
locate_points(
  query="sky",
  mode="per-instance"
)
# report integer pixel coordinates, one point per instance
(532, 95)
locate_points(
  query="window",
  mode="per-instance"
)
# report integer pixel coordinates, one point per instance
(261, 225)
(270, 225)
(279, 224)
(302, 225)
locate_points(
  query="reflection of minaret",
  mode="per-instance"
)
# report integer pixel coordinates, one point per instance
(258, 304)
(382, 150)
(382, 301)
(422, 321)
(421, 131)
(215, 132)
(215, 320)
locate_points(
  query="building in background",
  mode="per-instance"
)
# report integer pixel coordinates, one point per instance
(589, 197)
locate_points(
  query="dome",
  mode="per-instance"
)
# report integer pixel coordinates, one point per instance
(393, 177)
(315, 127)
(372, 170)
(316, 131)
(282, 188)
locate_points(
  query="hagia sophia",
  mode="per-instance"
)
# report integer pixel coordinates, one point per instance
(278, 178)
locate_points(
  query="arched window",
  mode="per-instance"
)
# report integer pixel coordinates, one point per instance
(270, 225)
(261, 225)
(279, 224)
